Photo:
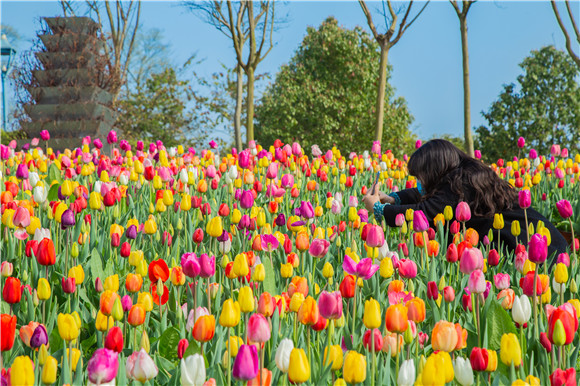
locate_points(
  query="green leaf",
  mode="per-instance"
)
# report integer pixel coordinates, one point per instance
(96, 265)
(270, 279)
(53, 193)
(54, 174)
(499, 322)
(168, 343)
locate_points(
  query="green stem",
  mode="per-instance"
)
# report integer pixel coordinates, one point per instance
(535, 301)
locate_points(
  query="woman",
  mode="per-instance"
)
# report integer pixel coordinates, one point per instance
(446, 176)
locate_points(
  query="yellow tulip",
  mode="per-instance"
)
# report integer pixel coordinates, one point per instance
(246, 299)
(335, 357)
(259, 273)
(286, 270)
(22, 373)
(355, 367)
(146, 300)
(372, 315)
(67, 327)
(43, 289)
(299, 367)
(214, 227)
(78, 273)
(230, 315)
(112, 283)
(102, 323)
(241, 267)
(510, 350)
(561, 273)
(76, 355)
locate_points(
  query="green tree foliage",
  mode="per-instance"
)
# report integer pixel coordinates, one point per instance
(164, 109)
(326, 95)
(544, 108)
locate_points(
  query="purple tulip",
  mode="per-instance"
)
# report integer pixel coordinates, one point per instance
(306, 209)
(319, 248)
(39, 337)
(364, 215)
(246, 364)
(131, 232)
(420, 223)
(365, 268)
(103, 366)
(244, 222)
(207, 265)
(538, 248)
(22, 171)
(190, 264)
(330, 305)
(564, 208)
(246, 199)
(281, 220)
(68, 219)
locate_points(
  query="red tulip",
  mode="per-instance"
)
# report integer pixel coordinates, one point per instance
(46, 255)
(563, 377)
(198, 236)
(527, 284)
(12, 290)
(68, 285)
(562, 326)
(158, 270)
(182, 347)
(432, 290)
(31, 248)
(8, 329)
(114, 339)
(125, 249)
(378, 337)
(479, 359)
(347, 287)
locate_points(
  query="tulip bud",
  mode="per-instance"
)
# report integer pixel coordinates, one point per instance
(144, 344)
(42, 354)
(573, 286)
(35, 299)
(117, 310)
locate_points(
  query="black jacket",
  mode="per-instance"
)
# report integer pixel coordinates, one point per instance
(431, 206)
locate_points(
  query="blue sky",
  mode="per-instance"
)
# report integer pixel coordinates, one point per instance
(426, 61)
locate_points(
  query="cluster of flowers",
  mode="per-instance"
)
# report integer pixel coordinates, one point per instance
(169, 266)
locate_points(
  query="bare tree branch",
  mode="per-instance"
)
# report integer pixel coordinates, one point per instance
(565, 32)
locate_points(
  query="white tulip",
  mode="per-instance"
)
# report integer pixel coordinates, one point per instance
(33, 178)
(233, 172)
(172, 151)
(463, 371)
(193, 370)
(183, 176)
(41, 233)
(124, 179)
(283, 354)
(225, 246)
(140, 367)
(97, 186)
(521, 309)
(367, 163)
(365, 154)
(558, 288)
(40, 194)
(383, 165)
(407, 373)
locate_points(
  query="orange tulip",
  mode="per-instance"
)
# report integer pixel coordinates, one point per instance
(419, 239)
(396, 286)
(471, 236)
(432, 248)
(302, 242)
(107, 301)
(416, 310)
(444, 336)
(204, 328)
(266, 304)
(133, 282)
(137, 315)
(396, 318)
(298, 284)
(308, 312)
(26, 332)
(461, 337)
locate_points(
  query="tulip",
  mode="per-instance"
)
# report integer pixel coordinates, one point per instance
(407, 268)
(258, 329)
(334, 357)
(8, 330)
(39, 337)
(365, 269)
(136, 315)
(510, 350)
(114, 339)
(562, 326)
(67, 327)
(407, 373)
(103, 366)
(476, 282)
(158, 269)
(282, 357)
(354, 368)
(49, 370)
(140, 367)
(538, 248)
(246, 364)
(479, 359)
(330, 305)
(378, 340)
(438, 370)
(308, 312)
(463, 371)
(564, 209)
(420, 223)
(416, 310)
(563, 377)
(22, 371)
(204, 328)
(396, 318)
(372, 314)
(444, 336)
(463, 212)
(319, 248)
(525, 198)
(298, 366)
(230, 314)
(193, 371)
(432, 291)
(471, 260)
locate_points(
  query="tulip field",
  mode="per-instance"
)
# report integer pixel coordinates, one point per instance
(150, 265)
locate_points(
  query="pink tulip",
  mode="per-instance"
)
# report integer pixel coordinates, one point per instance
(330, 305)
(22, 171)
(376, 148)
(213, 144)
(336, 207)
(365, 268)
(378, 338)
(407, 268)
(97, 143)
(463, 212)
(272, 171)
(112, 137)
(21, 217)
(246, 364)
(319, 248)
(525, 198)
(564, 208)
(287, 181)
(555, 150)
(502, 281)
(476, 282)
(399, 219)
(564, 259)
(328, 155)
(296, 149)
(538, 248)
(269, 243)
(418, 144)
(564, 153)
(477, 154)
(244, 159)
(352, 201)
(103, 365)
(258, 329)
(190, 264)
(375, 237)
(520, 261)
(521, 142)
(420, 223)
(247, 199)
(45, 135)
(449, 294)
(316, 152)
(207, 265)
(306, 209)
(533, 154)
(210, 172)
(471, 260)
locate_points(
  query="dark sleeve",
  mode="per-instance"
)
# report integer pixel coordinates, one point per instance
(407, 196)
(431, 207)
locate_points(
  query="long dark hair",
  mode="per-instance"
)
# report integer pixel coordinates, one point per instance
(438, 162)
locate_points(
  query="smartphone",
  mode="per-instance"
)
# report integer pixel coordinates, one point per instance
(375, 183)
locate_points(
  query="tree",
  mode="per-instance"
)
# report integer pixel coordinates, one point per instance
(234, 28)
(386, 41)
(151, 55)
(159, 111)
(544, 108)
(325, 95)
(462, 15)
(569, 48)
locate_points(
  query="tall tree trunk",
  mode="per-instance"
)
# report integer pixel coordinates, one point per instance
(466, 89)
(239, 102)
(380, 113)
(250, 105)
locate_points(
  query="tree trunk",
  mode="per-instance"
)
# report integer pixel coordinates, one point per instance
(250, 106)
(381, 92)
(239, 102)
(466, 90)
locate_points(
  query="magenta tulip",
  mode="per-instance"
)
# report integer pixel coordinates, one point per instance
(538, 248)
(564, 208)
(463, 212)
(365, 268)
(319, 248)
(521, 142)
(269, 243)
(471, 260)
(375, 236)
(207, 265)
(247, 199)
(287, 181)
(190, 264)
(524, 198)
(306, 209)
(420, 223)
(45, 135)
(103, 366)
(330, 304)
(246, 364)
(258, 329)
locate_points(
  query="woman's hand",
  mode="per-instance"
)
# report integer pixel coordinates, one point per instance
(386, 199)
(370, 199)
